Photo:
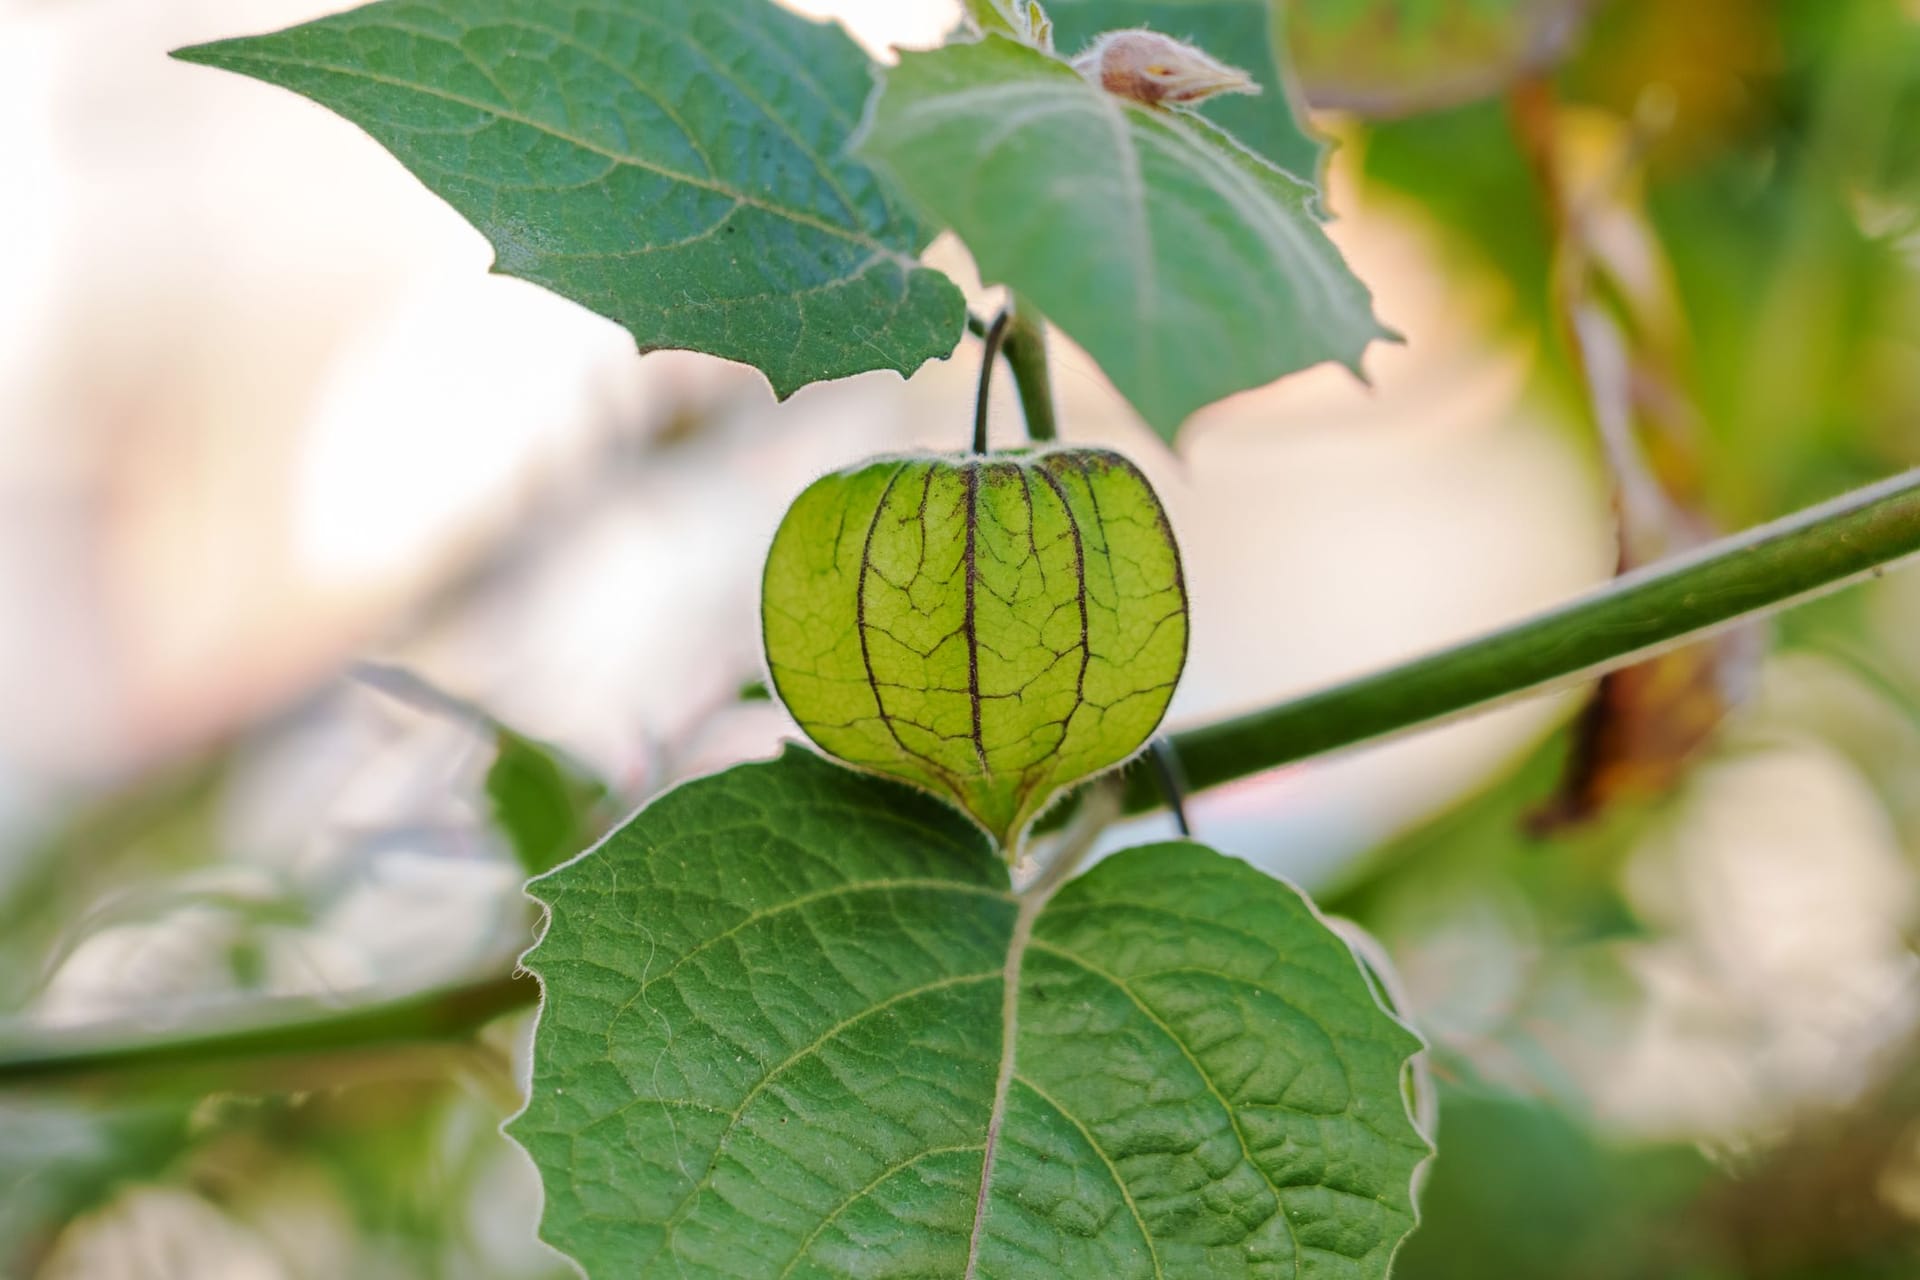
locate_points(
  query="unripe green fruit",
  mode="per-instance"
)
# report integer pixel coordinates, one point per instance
(992, 628)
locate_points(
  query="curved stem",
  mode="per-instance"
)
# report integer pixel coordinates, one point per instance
(262, 1032)
(995, 335)
(1171, 778)
(1025, 347)
(1640, 614)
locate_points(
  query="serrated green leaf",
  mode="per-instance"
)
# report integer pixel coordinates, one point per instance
(992, 629)
(679, 166)
(1245, 33)
(1186, 265)
(778, 1041)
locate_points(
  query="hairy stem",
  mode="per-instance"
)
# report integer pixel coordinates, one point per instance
(1026, 348)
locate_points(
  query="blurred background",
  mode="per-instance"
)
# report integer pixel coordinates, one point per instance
(343, 584)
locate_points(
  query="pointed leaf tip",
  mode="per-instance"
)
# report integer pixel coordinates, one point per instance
(599, 150)
(1186, 265)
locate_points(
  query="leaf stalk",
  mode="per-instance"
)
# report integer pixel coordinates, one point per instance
(992, 342)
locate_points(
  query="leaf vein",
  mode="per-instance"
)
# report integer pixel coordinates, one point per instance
(796, 216)
(801, 1054)
(1206, 1078)
(1113, 1170)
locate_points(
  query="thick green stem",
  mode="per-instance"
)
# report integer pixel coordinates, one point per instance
(1761, 571)
(1629, 619)
(263, 1033)
(1026, 349)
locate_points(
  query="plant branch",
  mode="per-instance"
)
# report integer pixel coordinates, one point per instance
(259, 1034)
(1626, 621)
(1760, 571)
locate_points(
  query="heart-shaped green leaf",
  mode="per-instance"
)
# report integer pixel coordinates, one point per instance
(797, 1025)
(1188, 266)
(678, 166)
(993, 628)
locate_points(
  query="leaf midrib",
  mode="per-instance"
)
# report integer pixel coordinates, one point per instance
(832, 892)
(795, 216)
(1206, 1078)
(1032, 902)
(738, 1112)
(1073, 95)
(1119, 1182)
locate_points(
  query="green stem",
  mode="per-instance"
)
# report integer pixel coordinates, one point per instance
(1666, 604)
(1626, 621)
(1024, 344)
(991, 343)
(273, 1030)
(1026, 349)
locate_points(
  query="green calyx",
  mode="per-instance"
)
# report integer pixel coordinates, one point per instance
(993, 628)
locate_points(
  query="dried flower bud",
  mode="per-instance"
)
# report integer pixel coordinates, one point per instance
(1151, 68)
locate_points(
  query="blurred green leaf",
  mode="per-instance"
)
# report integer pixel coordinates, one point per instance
(1186, 265)
(165, 822)
(58, 1158)
(1519, 1190)
(1790, 245)
(549, 807)
(1483, 843)
(1023, 20)
(779, 1039)
(1401, 57)
(1245, 33)
(1464, 172)
(680, 167)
